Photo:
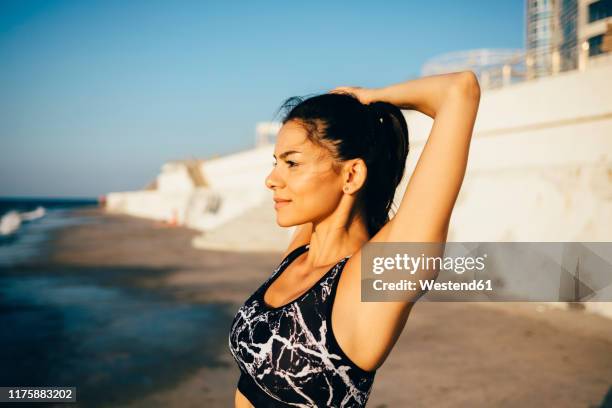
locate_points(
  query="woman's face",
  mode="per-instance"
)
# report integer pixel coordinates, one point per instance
(302, 174)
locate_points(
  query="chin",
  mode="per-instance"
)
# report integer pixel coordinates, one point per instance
(285, 222)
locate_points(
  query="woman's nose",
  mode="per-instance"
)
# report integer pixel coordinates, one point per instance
(272, 180)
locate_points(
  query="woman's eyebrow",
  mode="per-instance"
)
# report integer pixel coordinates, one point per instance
(285, 154)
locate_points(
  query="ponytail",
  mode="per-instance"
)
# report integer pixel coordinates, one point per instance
(386, 163)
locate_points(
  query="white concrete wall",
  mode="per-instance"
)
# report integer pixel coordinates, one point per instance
(150, 204)
(169, 202)
(540, 162)
(237, 181)
(240, 180)
(247, 169)
(174, 178)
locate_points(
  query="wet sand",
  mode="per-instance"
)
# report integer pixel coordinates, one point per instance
(449, 355)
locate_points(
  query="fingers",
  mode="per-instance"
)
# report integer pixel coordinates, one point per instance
(341, 89)
(360, 93)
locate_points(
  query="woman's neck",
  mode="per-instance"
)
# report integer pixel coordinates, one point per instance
(334, 238)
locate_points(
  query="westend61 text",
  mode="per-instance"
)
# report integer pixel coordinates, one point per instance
(429, 284)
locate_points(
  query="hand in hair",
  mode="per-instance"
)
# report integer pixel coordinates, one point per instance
(365, 95)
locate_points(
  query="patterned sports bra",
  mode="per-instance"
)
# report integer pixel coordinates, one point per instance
(288, 355)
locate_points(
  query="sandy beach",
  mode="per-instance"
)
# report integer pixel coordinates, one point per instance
(449, 355)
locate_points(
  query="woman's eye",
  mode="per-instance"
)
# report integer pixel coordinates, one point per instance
(289, 163)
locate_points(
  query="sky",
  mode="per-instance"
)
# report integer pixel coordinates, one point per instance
(96, 95)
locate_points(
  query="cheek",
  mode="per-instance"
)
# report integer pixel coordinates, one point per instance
(318, 193)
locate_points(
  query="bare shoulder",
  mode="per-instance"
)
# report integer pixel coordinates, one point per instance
(301, 236)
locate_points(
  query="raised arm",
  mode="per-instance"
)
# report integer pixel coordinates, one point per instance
(425, 210)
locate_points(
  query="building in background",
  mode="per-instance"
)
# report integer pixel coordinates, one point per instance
(540, 20)
(595, 31)
(562, 35)
(565, 39)
(551, 37)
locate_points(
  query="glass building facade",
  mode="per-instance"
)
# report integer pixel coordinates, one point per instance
(567, 39)
(539, 37)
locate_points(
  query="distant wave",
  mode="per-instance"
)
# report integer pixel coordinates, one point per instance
(12, 220)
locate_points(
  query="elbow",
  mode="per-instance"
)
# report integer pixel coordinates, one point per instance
(467, 84)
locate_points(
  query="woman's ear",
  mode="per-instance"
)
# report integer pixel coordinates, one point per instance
(354, 175)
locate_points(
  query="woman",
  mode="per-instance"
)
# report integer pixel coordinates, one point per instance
(304, 338)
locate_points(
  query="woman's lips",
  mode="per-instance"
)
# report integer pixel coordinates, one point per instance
(279, 204)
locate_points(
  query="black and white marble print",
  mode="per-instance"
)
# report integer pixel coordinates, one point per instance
(290, 352)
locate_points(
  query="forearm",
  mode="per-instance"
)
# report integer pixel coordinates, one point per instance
(425, 94)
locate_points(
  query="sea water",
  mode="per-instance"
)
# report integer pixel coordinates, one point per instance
(25, 224)
(88, 327)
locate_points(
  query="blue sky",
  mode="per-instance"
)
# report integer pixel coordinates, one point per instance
(96, 95)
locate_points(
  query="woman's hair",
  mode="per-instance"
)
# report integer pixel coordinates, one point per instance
(377, 133)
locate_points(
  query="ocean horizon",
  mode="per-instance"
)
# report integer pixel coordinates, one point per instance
(26, 222)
